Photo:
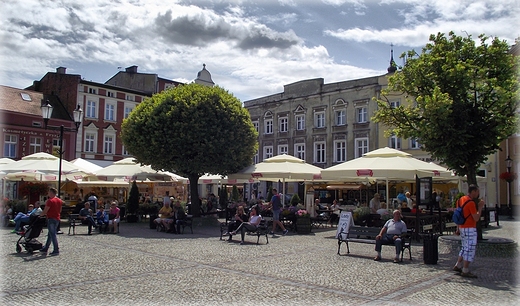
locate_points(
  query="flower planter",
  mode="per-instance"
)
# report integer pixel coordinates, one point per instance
(303, 225)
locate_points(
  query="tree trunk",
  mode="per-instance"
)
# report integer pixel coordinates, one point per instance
(194, 194)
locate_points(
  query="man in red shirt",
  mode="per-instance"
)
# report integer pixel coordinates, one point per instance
(52, 212)
(468, 230)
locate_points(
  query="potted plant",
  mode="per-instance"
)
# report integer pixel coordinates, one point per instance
(303, 222)
(133, 204)
(295, 200)
(361, 215)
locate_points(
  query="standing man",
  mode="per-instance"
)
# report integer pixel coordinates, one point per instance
(375, 204)
(276, 206)
(468, 230)
(93, 200)
(52, 212)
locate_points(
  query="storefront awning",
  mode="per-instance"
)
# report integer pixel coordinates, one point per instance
(344, 187)
(102, 184)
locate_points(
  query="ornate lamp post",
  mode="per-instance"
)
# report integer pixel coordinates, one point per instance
(78, 118)
(509, 164)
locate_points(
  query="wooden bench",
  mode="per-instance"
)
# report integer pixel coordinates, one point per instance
(261, 230)
(368, 235)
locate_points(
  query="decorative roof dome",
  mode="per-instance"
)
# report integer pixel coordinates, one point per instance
(393, 67)
(204, 77)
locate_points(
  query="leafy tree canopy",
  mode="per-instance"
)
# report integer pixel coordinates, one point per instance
(191, 130)
(462, 100)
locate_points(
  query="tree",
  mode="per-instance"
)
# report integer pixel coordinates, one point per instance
(191, 130)
(133, 202)
(234, 194)
(461, 99)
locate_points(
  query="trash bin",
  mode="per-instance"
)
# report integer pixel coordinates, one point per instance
(430, 248)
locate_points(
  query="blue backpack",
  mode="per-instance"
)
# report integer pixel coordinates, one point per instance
(458, 214)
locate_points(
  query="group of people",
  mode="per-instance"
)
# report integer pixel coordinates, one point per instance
(171, 218)
(105, 221)
(25, 218)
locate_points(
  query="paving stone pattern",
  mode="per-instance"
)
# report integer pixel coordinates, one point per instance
(145, 267)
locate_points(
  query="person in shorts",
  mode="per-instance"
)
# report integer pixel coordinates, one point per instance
(276, 206)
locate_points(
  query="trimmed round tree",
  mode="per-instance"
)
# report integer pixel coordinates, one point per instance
(191, 130)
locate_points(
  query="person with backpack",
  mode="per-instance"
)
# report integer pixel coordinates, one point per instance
(467, 229)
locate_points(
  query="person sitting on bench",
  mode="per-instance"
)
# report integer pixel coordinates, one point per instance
(85, 214)
(22, 218)
(102, 219)
(239, 217)
(391, 234)
(254, 221)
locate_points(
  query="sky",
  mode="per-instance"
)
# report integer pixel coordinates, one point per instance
(251, 48)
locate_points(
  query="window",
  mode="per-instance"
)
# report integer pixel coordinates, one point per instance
(319, 120)
(255, 158)
(283, 149)
(110, 112)
(90, 140)
(255, 125)
(319, 152)
(92, 91)
(414, 144)
(108, 145)
(268, 126)
(128, 109)
(394, 104)
(361, 146)
(10, 142)
(91, 111)
(35, 145)
(300, 122)
(282, 122)
(130, 97)
(268, 152)
(340, 117)
(124, 151)
(299, 151)
(394, 142)
(361, 115)
(340, 150)
(110, 94)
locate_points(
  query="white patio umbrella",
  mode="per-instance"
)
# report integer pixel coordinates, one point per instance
(44, 162)
(281, 167)
(85, 165)
(384, 164)
(218, 179)
(130, 170)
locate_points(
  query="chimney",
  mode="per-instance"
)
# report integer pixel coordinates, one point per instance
(131, 69)
(61, 70)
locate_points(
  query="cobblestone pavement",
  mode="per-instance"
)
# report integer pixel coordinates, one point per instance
(142, 266)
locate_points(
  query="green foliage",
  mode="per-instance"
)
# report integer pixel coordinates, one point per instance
(191, 130)
(223, 197)
(295, 199)
(133, 199)
(234, 194)
(461, 99)
(457, 197)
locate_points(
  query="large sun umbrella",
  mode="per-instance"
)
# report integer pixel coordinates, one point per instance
(130, 170)
(218, 179)
(281, 167)
(85, 165)
(44, 162)
(385, 163)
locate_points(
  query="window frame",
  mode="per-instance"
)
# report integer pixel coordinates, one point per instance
(361, 114)
(319, 120)
(358, 147)
(299, 152)
(266, 153)
(11, 145)
(343, 117)
(110, 109)
(300, 122)
(340, 157)
(320, 152)
(34, 145)
(91, 109)
(283, 124)
(112, 143)
(285, 151)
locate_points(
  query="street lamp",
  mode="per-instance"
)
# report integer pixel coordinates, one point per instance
(78, 118)
(509, 164)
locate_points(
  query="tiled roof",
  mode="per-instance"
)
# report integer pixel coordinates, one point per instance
(11, 100)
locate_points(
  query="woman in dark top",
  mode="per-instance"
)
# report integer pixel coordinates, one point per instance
(240, 217)
(405, 208)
